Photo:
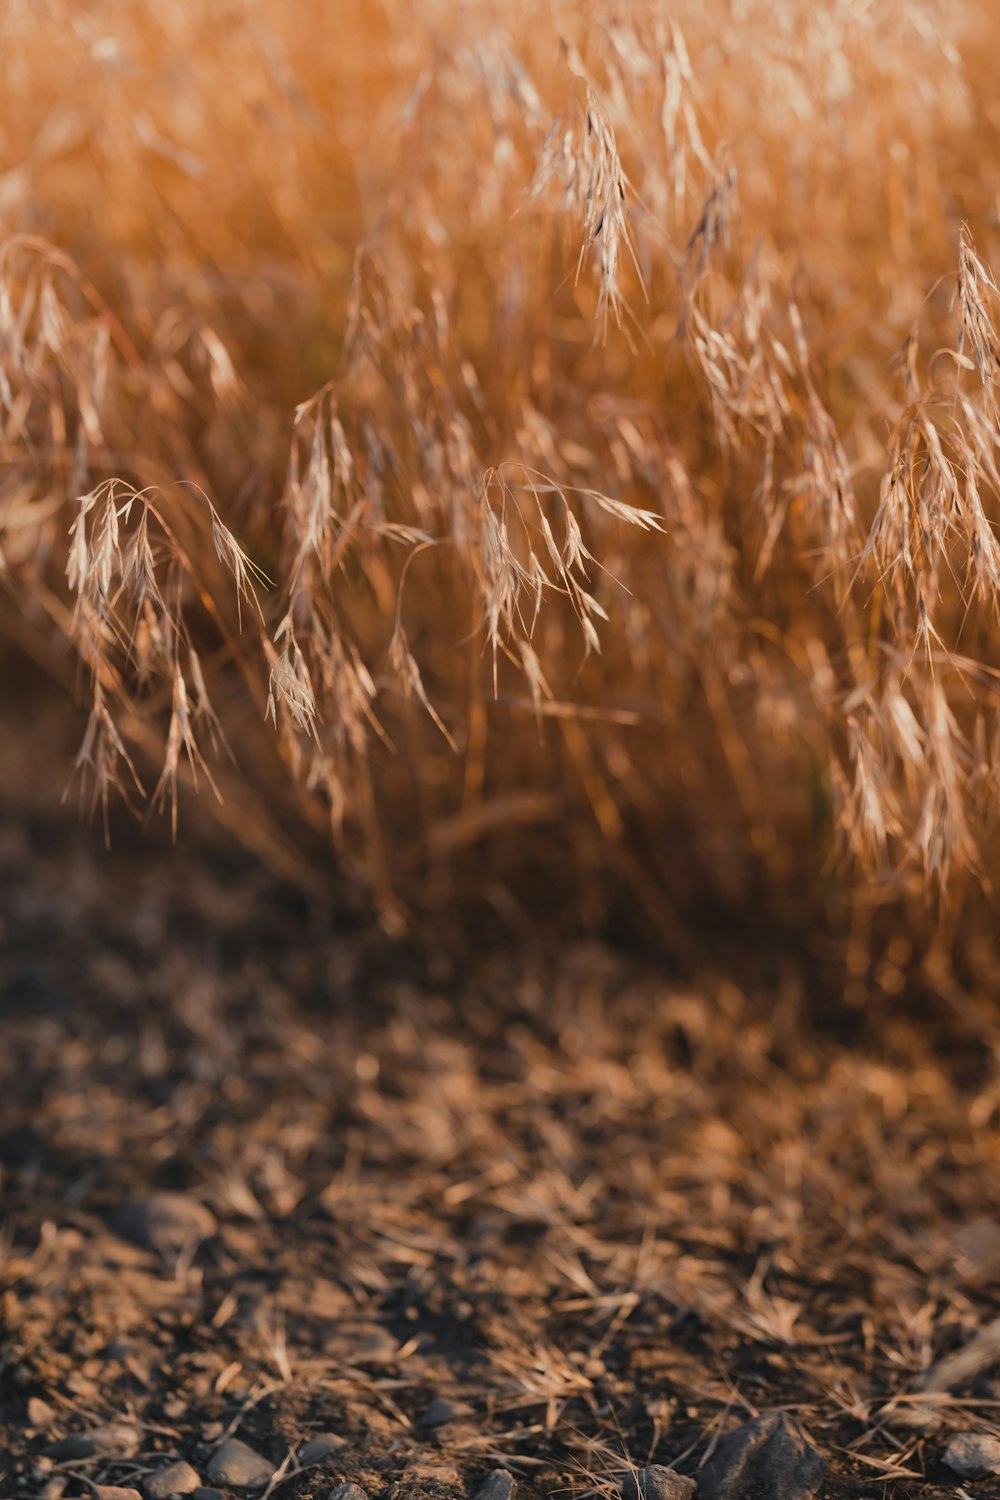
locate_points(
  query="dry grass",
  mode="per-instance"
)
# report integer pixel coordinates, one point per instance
(563, 438)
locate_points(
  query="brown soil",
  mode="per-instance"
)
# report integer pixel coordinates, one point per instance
(604, 1213)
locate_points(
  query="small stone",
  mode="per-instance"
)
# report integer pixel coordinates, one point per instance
(115, 1492)
(320, 1447)
(769, 1458)
(176, 1479)
(116, 1440)
(65, 1450)
(234, 1463)
(973, 1454)
(346, 1492)
(40, 1413)
(441, 1411)
(657, 1483)
(496, 1486)
(54, 1489)
(170, 1223)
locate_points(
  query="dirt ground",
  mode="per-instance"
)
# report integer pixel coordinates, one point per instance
(547, 1211)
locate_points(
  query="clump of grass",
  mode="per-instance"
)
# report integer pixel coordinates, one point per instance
(571, 444)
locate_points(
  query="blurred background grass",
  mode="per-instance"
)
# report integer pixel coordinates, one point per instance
(419, 310)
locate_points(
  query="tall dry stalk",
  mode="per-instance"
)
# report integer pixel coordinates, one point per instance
(570, 437)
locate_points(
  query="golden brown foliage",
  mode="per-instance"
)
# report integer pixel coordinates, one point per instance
(575, 427)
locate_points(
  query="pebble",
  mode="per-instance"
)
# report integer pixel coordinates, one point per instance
(769, 1458)
(170, 1223)
(496, 1486)
(657, 1483)
(176, 1479)
(319, 1447)
(40, 1413)
(235, 1463)
(346, 1492)
(116, 1440)
(115, 1492)
(20, 1375)
(441, 1410)
(973, 1454)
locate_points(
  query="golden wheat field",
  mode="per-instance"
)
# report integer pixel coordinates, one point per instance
(499, 539)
